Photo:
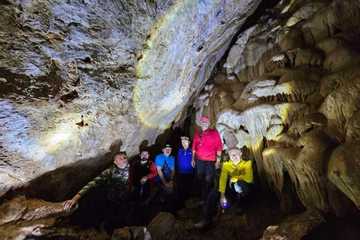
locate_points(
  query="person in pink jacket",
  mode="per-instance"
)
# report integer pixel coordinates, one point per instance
(206, 148)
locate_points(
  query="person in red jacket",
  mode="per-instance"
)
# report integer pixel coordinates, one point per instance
(206, 148)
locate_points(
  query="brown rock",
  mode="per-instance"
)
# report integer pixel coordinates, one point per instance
(305, 168)
(340, 105)
(305, 57)
(344, 170)
(294, 227)
(340, 58)
(131, 233)
(21, 217)
(162, 226)
(22, 209)
(330, 44)
(291, 40)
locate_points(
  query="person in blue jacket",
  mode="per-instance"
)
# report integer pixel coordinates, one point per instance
(185, 170)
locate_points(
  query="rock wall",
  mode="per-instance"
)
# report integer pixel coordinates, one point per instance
(77, 76)
(289, 92)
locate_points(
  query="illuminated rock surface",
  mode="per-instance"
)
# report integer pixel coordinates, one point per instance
(77, 76)
(287, 88)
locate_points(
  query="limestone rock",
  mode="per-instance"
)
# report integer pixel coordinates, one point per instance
(23, 209)
(333, 81)
(291, 40)
(21, 217)
(306, 169)
(305, 12)
(340, 105)
(294, 227)
(247, 59)
(343, 170)
(341, 58)
(353, 128)
(131, 233)
(339, 15)
(77, 76)
(162, 225)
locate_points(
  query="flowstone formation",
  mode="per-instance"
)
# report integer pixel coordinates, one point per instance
(289, 91)
(78, 76)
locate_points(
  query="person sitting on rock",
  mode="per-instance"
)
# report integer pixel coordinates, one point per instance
(164, 188)
(184, 169)
(165, 165)
(118, 196)
(144, 173)
(235, 183)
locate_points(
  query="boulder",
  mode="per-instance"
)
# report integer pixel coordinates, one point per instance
(294, 227)
(21, 217)
(162, 226)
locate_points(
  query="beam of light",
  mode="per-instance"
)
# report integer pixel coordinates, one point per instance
(178, 56)
(64, 133)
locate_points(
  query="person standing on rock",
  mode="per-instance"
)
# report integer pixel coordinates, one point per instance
(236, 180)
(206, 148)
(185, 170)
(118, 194)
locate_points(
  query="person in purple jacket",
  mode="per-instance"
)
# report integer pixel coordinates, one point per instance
(185, 170)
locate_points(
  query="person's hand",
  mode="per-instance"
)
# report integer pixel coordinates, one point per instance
(193, 163)
(143, 180)
(217, 164)
(69, 204)
(223, 200)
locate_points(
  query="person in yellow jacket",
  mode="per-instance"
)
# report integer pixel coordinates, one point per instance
(239, 173)
(235, 182)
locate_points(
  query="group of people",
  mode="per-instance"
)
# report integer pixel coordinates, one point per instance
(143, 180)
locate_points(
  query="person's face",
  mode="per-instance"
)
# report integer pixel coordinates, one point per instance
(120, 160)
(167, 151)
(204, 125)
(235, 155)
(185, 143)
(144, 155)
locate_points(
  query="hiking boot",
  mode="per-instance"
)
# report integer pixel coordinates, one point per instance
(202, 224)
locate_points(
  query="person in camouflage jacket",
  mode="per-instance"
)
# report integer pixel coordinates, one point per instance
(117, 177)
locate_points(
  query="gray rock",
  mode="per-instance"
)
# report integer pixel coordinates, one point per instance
(80, 75)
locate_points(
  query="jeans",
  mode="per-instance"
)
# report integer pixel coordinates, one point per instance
(235, 198)
(206, 175)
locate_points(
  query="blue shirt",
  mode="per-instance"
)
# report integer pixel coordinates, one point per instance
(166, 163)
(184, 158)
